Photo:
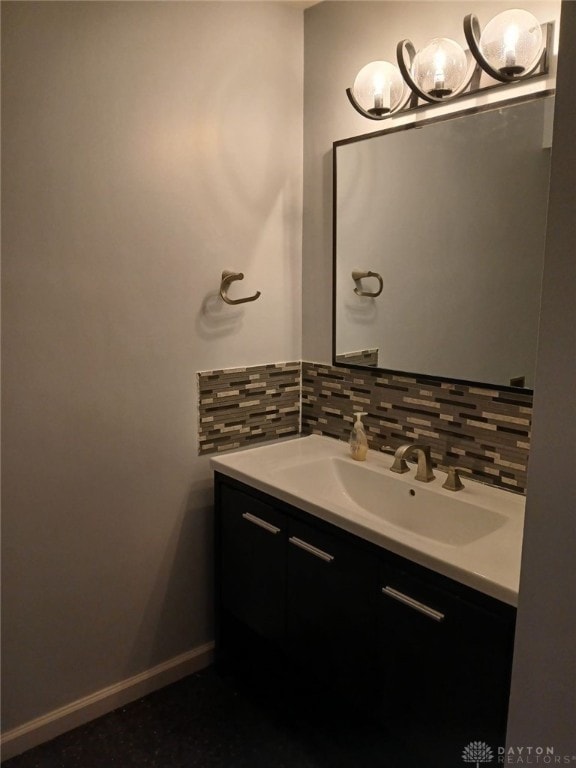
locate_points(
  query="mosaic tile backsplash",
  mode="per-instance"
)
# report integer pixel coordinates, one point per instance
(242, 406)
(485, 432)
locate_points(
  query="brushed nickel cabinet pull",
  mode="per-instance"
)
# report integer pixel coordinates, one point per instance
(312, 550)
(261, 523)
(402, 598)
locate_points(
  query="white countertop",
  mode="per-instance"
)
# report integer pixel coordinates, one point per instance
(490, 563)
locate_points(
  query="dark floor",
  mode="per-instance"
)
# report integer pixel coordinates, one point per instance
(216, 720)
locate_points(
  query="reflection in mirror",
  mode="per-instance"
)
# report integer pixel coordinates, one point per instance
(451, 213)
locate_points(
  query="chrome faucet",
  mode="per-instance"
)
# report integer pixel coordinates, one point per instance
(424, 471)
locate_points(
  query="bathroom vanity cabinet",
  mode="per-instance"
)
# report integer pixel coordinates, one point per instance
(406, 644)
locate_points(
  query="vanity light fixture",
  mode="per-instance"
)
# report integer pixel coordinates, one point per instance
(378, 90)
(512, 47)
(438, 71)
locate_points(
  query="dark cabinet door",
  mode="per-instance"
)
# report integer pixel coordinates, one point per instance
(444, 665)
(330, 624)
(253, 562)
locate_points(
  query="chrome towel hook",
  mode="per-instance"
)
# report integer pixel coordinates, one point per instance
(357, 275)
(229, 277)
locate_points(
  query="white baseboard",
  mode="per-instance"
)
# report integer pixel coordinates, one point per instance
(101, 702)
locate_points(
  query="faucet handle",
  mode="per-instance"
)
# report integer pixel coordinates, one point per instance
(453, 482)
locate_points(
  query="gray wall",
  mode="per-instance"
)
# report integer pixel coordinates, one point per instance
(146, 147)
(543, 700)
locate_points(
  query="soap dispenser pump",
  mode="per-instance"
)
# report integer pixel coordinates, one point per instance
(358, 439)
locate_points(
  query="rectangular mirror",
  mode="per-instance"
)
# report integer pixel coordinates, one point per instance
(449, 217)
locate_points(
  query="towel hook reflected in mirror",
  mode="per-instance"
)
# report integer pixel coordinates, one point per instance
(357, 276)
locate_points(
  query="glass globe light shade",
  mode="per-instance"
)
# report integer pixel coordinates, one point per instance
(512, 42)
(440, 68)
(378, 87)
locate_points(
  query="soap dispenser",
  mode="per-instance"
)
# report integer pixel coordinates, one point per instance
(358, 439)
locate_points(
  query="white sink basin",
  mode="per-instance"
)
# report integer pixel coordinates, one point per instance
(414, 507)
(473, 535)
